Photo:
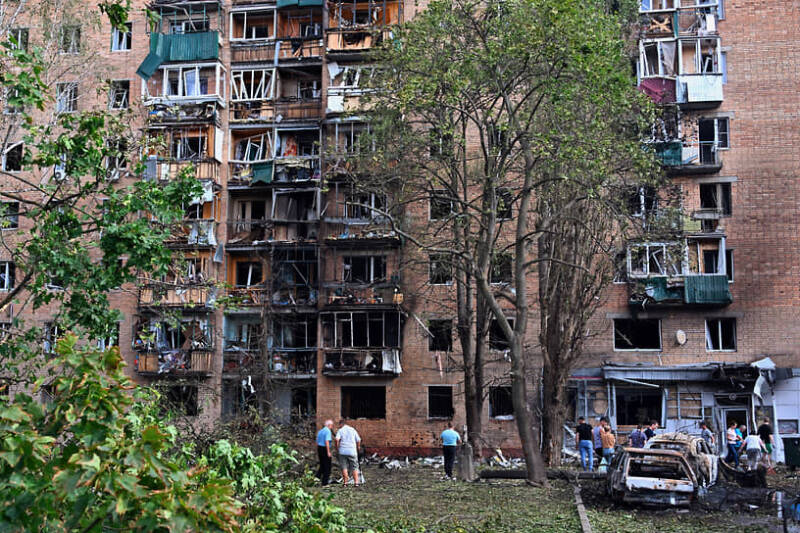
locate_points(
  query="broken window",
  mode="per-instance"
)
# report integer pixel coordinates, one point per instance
(497, 338)
(117, 158)
(364, 402)
(362, 329)
(441, 205)
(110, 341)
(189, 144)
(252, 25)
(637, 334)
(720, 334)
(657, 59)
(642, 201)
(69, 39)
(729, 264)
(308, 89)
(441, 337)
(249, 273)
(363, 268)
(9, 211)
(441, 270)
(12, 158)
(637, 406)
(363, 206)
(19, 38)
(504, 199)
(654, 259)
(242, 333)
(298, 143)
(352, 77)
(501, 268)
(50, 335)
(252, 84)
(180, 400)
(191, 25)
(656, 5)
(712, 135)
(440, 401)
(620, 267)
(347, 138)
(12, 105)
(300, 332)
(700, 56)
(238, 397)
(67, 97)
(121, 40)
(6, 275)
(118, 96)
(716, 197)
(187, 81)
(254, 148)
(500, 403)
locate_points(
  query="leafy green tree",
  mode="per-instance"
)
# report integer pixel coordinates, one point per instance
(524, 116)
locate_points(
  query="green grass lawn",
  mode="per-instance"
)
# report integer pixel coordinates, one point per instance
(414, 499)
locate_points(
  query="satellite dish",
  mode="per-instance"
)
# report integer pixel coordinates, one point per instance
(680, 337)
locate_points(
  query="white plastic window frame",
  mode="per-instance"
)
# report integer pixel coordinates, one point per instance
(261, 87)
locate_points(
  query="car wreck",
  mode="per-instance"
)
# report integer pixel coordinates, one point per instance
(698, 454)
(651, 476)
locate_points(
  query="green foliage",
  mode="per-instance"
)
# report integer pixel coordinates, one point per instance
(274, 499)
(91, 460)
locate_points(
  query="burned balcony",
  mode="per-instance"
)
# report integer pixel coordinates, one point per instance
(343, 295)
(170, 150)
(361, 236)
(248, 233)
(293, 345)
(243, 343)
(193, 233)
(347, 84)
(356, 27)
(181, 348)
(180, 295)
(362, 343)
(361, 278)
(294, 276)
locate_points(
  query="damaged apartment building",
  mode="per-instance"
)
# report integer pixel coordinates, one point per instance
(290, 293)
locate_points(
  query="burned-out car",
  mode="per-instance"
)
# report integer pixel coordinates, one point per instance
(651, 476)
(702, 459)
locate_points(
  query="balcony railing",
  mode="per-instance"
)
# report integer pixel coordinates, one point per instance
(246, 232)
(255, 296)
(693, 158)
(285, 50)
(341, 294)
(354, 39)
(372, 235)
(294, 361)
(269, 111)
(709, 290)
(699, 90)
(283, 171)
(362, 362)
(192, 233)
(168, 170)
(172, 295)
(176, 362)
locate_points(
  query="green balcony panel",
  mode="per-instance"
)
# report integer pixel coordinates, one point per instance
(286, 3)
(707, 290)
(657, 289)
(669, 153)
(310, 3)
(187, 47)
(262, 172)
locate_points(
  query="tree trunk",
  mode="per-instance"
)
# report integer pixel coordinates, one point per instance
(528, 433)
(554, 412)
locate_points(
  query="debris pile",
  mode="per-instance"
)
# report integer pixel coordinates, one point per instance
(498, 460)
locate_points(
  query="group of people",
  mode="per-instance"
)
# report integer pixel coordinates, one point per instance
(347, 442)
(756, 445)
(601, 440)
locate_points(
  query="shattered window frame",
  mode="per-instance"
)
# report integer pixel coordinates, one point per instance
(9, 211)
(69, 39)
(628, 335)
(440, 205)
(67, 97)
(11, 160)
(21, 37)
(440, 270)
(260, 86)
(441, 338)
(501, 404)
(371, 407)
(440, 402)
(119, 95)
(373, 265)
(7, 276)
(121, 41)
(497, 339)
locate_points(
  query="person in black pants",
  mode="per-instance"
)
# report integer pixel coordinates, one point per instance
(450, 439)
(324, 438)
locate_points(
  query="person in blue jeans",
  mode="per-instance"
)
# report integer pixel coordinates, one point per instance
(450, 438)
(583, 440)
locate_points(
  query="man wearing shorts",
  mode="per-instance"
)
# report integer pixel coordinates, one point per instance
(347, 440)
(765, 434)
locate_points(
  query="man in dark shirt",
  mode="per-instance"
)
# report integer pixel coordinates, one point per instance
(650, 432)
(765, 434)
(583, 441)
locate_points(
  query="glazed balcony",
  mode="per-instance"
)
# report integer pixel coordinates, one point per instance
(288, 51)
(362, 362)
(193, 363)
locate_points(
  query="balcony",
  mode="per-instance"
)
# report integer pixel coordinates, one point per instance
(689, 158)
(178, 363)
(358, 26)
(190, 86)
(298, 363)
(193, 234)
(168, 169)
(699, 91)
(366, 236)
(338, 294)
(199, 46)
(249, 233)
(292, 110)
(247, 297)
(289, 50)
(697, 290)
(172, 295)
(282, 172)
(348, 362)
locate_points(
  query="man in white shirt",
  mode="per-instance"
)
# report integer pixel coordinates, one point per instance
(754, 447)
(347, 440)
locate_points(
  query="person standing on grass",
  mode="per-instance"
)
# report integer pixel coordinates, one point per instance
(765, 434)
(347, 440)
(450, 440)
(583, 441)
(324, 438)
